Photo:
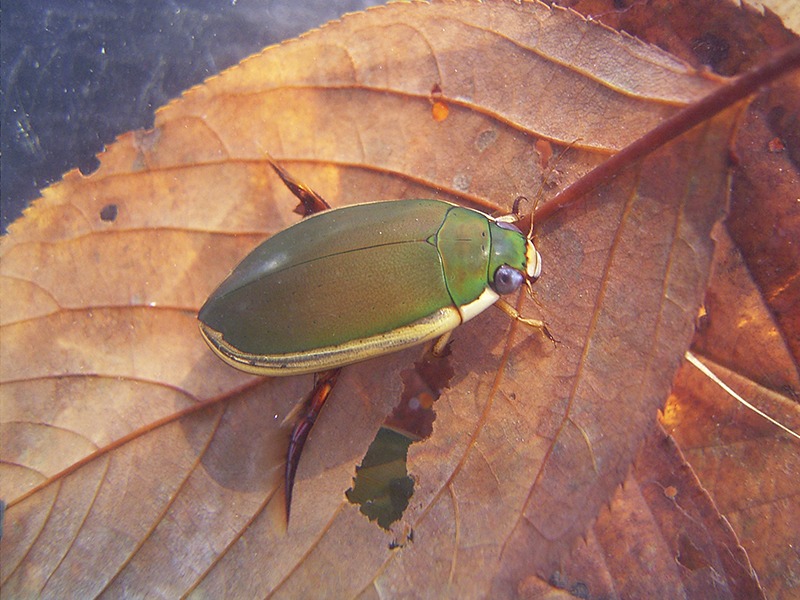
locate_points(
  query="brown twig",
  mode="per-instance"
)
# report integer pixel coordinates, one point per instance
(694, 114)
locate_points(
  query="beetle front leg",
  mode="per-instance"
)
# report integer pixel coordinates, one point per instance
(514, 314)
(323, 387)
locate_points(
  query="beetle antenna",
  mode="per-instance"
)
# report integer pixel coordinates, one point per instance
(533, 212)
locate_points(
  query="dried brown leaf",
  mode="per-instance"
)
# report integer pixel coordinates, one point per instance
(750, 337)
(135, 462)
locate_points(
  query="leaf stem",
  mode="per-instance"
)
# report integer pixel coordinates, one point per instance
(694, 114)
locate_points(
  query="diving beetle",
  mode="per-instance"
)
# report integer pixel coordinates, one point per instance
(351, 283)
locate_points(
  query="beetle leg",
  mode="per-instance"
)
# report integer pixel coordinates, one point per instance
(323, 387)
(514, 314)
(438, 347)
(312, 202)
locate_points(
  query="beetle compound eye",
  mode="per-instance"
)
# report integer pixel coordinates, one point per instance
(506, 225)
(507, 280)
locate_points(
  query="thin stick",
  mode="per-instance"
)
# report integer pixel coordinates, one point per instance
(708, 373)
(681, 122)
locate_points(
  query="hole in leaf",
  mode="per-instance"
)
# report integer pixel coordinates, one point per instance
(408, 537)
(109, 212)
(382, 486)
(89, 166)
